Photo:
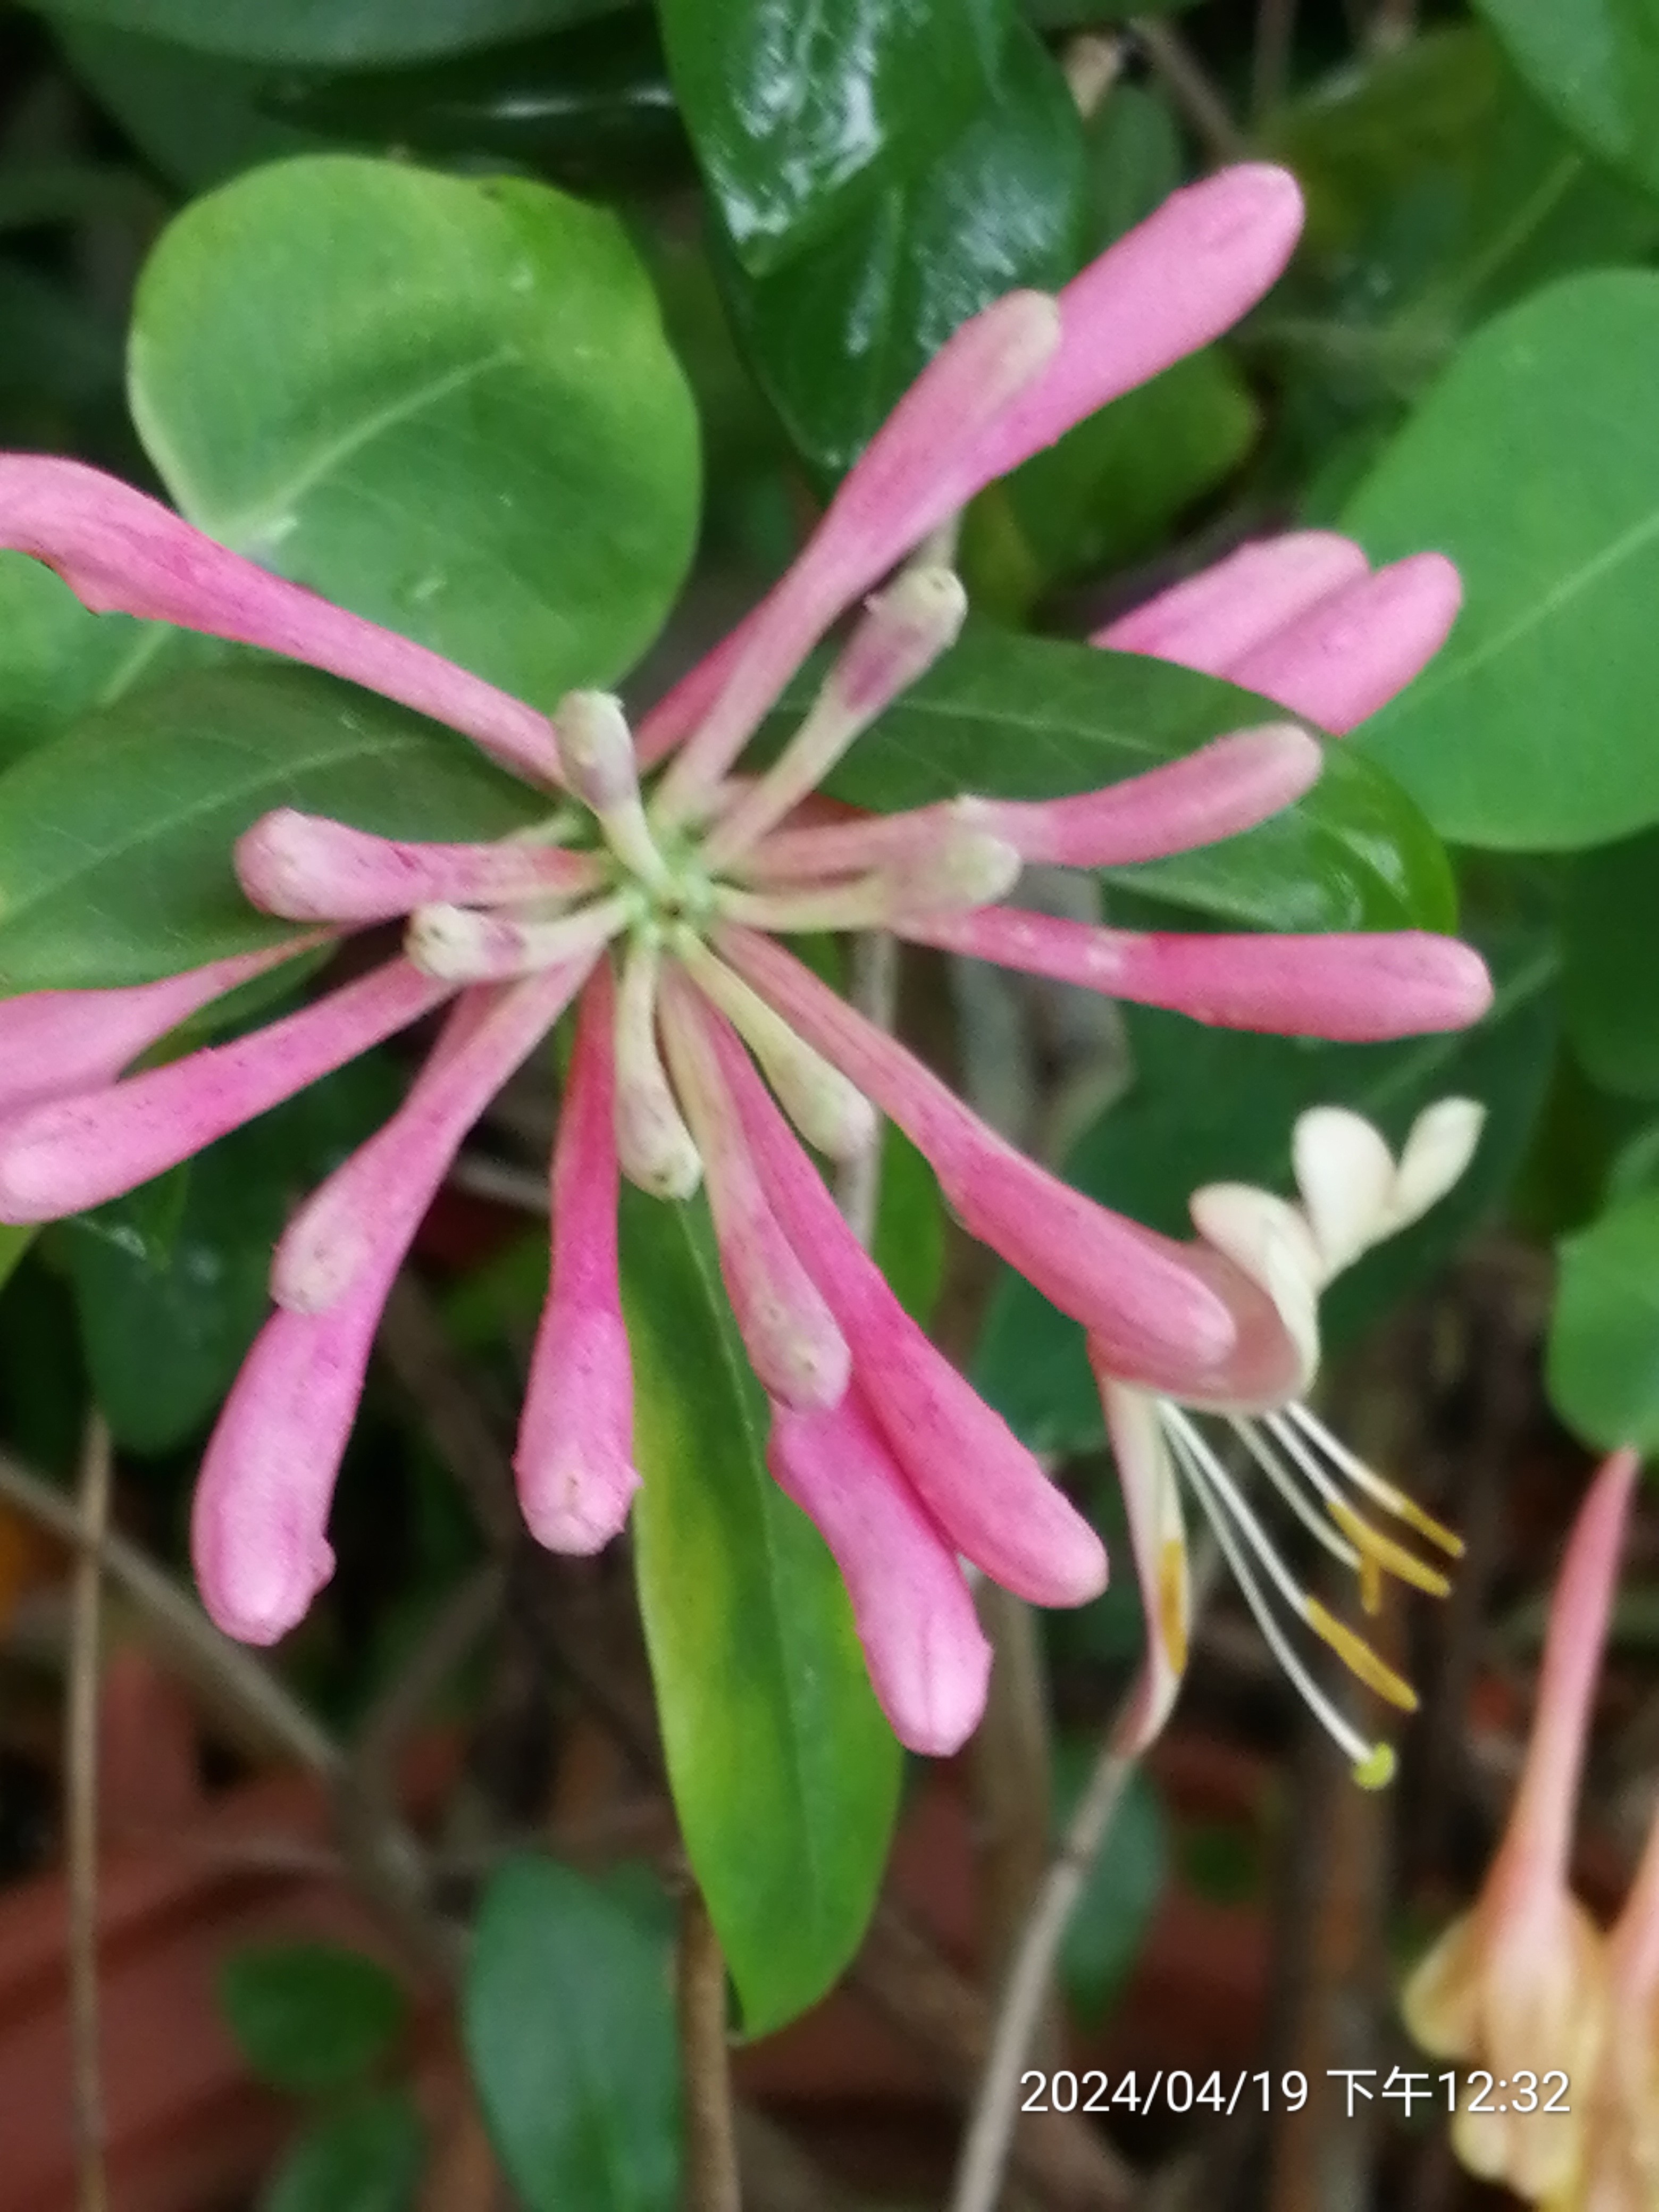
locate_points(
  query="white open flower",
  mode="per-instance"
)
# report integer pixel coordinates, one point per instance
(1352, 1195)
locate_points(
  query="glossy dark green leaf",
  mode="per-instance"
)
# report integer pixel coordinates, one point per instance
(1113, 1915)
(446, 403)
(1011, 717)
(1595, 64)
(115, 840)
(310, 2016)
(1212, 1106)
(784, 1773)
(1532, 728)
(836, 336)
(1603, 1365)
(350, 33)
(589, 107)
(1610, 984)
(367, 2158)
(168, 1319)
(569, 2027)
(802, 113)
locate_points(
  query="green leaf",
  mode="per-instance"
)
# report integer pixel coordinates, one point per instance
(1111, 489)
(836, 336)
(1531, 729)
(1610, 984)
(367, 2159)
(1011, 717)
(56, 658)
(1595, 64)
(1218, 1106)
(341, 33)
(568, 2023)
(784, 1773)
(1113, 1914)
(310, 2016)
(196, 118)
(167, 1320)
(1603, 1364)
(115, 840)
(1438, 192)
(908, 1245)
(446, 404)
(568, 2020)
(799, 113)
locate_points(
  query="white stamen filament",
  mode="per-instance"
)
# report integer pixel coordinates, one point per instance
(1283, 1480)
(1382, 1492)
(1371, 1761)
(1203, 1453)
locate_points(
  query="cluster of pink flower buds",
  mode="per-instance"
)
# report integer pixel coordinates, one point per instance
(654, 903)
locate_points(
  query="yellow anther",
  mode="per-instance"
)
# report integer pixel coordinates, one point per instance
(1360, 1660)
(1377, 1552)
(1376, 1770)
(1172, 1602)
(1406, 1508)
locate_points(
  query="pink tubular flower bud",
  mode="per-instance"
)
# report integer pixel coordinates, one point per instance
(54, 1044)
(64, 1155)
(332, 1239)
(259, 1520)
(910, 476)
(310, 869)
(928, 1659)
(906, 629)
(1302, 620)
(574, 1460)
(976, 1479)
(1350, 653)
(962, 867)
(1167, 287)
(1169, 1329)
(1359, 988)
(1519, 1983)
(117, 549)
(1227, 785)
(1210, 621)
(793, 1345)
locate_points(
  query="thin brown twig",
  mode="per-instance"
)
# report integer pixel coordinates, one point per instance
(1275, 28)
(384, 1860)
(1191, 89)
(226, 1673)
(711, 2145)
(991, 2132)
(80, 1820)
(901, 1973)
